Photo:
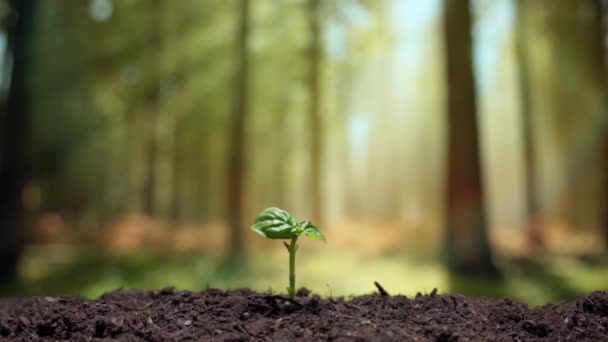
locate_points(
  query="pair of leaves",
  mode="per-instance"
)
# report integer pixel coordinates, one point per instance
(275, 223)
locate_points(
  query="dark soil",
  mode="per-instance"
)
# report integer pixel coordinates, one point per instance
(244, 315)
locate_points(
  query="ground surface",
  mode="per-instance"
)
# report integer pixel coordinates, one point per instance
(244, 315)
(90, 272)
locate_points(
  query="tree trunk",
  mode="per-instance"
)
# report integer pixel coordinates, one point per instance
(151, 155)
(177, 162)
(466, 241)
(153, 104)
(601, 74)
(528, 129)
(314, 89)
(236, 147)
(280, 166)
(14, 126)
(134, 159)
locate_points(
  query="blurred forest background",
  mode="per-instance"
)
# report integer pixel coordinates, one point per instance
(458, 144)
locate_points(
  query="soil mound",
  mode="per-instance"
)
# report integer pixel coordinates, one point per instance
(245, 315)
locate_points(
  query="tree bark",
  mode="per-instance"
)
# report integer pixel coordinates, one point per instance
(151, 155)
(528, 129)
(280, 165)
(601, 79)
(314, 89)
(236, 159)
(466, 241)
(153, 99)
(175, 212)
(14, 138)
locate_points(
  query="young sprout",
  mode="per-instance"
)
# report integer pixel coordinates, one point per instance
(275, 223)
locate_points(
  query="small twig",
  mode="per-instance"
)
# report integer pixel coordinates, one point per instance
(180, 311)
(381, 289)
(330, 294)
(286, 299)
(348, 316)
(149, 304)
(206, 310)
(242, 329)
(167, 303)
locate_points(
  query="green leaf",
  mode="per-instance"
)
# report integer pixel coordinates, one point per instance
(311, 231)
(275, 223)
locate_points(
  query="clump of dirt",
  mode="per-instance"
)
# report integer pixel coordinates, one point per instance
(245, 315)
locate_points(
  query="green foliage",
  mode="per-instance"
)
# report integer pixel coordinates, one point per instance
(311, 231)
(275, 223)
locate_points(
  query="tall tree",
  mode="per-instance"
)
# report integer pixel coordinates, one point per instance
(598, 31)
(236, 144)
(466, 241)
(528, 126)
(177, 174)
(152, 98)
(314, 88)
(14, 126)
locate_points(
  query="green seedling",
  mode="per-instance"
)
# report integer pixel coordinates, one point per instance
(275, 223)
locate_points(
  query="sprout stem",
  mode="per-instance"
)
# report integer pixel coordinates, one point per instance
(293, 247)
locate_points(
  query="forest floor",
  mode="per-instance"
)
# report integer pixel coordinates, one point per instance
(137, 252)
(246, 315)
(87, 271)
